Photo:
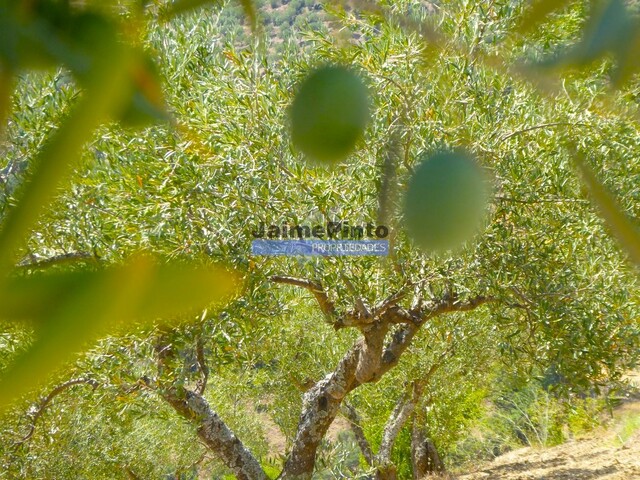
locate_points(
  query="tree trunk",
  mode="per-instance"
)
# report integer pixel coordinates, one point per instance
(387, 472)
(425, 458)
(320, 407)
(367, 361)
(215, 434)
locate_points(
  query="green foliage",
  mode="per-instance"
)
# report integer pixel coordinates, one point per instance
(339, 459)
(612, 29)
(525, 414)
(630, 425)
(118, 84)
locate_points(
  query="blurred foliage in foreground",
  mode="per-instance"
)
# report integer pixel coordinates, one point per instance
(69, 309)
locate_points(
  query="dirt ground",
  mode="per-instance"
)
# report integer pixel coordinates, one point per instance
(608, 454)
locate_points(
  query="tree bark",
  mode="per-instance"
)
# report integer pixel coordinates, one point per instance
(215, 434)
(211, 429)
(367, 361)
(403, 410)
(320, 406)
(425, 458)
(386, 472)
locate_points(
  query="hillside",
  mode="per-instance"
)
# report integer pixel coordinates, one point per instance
(611, 453)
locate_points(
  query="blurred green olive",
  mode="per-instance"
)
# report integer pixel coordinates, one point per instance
(329, 114)
(446, 202)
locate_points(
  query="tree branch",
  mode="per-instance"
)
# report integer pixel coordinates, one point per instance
(361, 307)
(320, 407)
(402, 337)
(216, 435)
(355, 422)
(32, 261)
(366, 361)
(37, 410)
(327, 306)
(211, 429)
(405, 408)
(202, 364)
(402, 411)
(538, 127)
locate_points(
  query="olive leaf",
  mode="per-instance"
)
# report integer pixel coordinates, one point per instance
(621, 226)
(611, 30)
(70, 310)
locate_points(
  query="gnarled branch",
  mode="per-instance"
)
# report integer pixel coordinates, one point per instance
(215, 433)
(316, 288)
(211, 429)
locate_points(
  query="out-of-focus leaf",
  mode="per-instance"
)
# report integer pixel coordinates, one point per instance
(622, 228)
(20, 45)
(147, 104)
(52, 34)
(612, 30)
(73, 309)
(88, 35)
(107, 90)
(250, 11)
(539, 11)
(79, 40)
(173, 289)
(75, 322)
(6, 82)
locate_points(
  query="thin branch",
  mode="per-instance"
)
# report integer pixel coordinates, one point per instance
(131, 474)
(540, 200)
(33, 262)
(355, 422)
(402, 337)
(316, 288)
(360, 304)
(37, 411)
(391, 301)
(480, 37)
(202, 364)
(541, 126)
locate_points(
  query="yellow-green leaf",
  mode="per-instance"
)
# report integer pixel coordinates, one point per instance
(622, 228)
(539, 11)
(71, 310)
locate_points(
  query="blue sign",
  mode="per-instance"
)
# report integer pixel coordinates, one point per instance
(324, 248)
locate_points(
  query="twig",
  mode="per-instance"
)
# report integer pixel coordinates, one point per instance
(202, 364)
(360, 305)
(541, 126)
(355, 422)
